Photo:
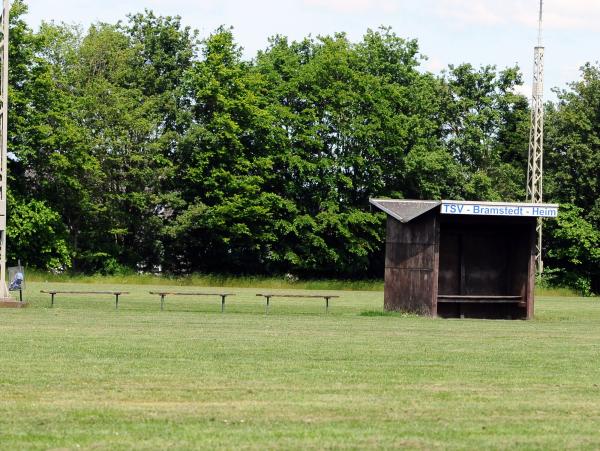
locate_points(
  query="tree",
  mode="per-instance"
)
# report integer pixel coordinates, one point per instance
(135, 146)
(47, 163)
(354, 116)
(572, 178)
(485, 130)
(37, 236)
(228, 218)
(573, 250)
(128, 104)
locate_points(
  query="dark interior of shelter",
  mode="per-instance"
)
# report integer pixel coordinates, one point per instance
(484, 267)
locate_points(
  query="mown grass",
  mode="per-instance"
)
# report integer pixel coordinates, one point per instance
(83, 375)
(210, 280)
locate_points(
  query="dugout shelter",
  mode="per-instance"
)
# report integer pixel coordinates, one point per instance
(457, 259)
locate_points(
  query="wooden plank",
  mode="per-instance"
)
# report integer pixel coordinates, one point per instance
(461, 296)
(409, 273)
(449, 299)
(481, 301)
(531, 270)
(84, 292)
(409, 255)
(449, 263)
(408, 290)
(163, 295)
(461, 262)
(271, 295)
(53, 293)
(268, 297)
(485, 263)
(188, 293)
(418, 231)
(518, 272)
(436, 267)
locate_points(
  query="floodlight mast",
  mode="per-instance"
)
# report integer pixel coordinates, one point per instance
(536, 139)
(4, 294)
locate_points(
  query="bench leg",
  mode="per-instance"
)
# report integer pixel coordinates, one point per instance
(267, 307)
(222, 303)
(20, 295)
(326, 304)
(116, 301)
(51, 300)
(162, 302)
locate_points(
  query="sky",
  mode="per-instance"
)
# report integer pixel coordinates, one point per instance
(481, 32)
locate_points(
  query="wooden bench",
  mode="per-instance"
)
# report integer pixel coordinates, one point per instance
(116, 294)
(460, 300)
(268, 296)
(164, 294)
(479, 299)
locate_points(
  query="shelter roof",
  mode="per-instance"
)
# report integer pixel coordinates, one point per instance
(405, 210)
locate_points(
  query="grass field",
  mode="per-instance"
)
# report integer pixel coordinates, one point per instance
(83, 375)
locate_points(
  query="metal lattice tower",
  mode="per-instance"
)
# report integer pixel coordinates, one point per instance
(3, 146)
(536, 138)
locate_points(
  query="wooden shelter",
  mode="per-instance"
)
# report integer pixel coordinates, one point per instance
(458, 259)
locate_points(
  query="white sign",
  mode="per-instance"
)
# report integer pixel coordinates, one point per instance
(499, 209)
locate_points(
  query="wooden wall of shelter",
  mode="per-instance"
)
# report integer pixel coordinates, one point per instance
(411, 251)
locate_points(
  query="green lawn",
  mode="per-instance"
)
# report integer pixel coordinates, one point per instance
(83, 375)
